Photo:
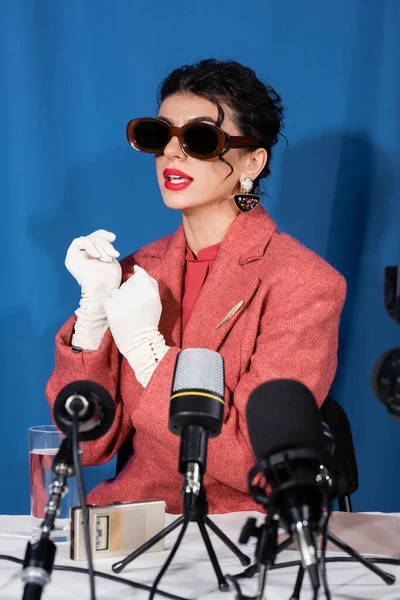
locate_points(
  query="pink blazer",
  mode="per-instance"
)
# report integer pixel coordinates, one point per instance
(269, 306)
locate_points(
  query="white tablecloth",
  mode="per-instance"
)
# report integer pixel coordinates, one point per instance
(190, 575)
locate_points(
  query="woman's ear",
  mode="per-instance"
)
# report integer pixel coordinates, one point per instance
(255, 163)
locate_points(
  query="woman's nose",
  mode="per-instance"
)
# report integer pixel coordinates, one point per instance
(173, 149)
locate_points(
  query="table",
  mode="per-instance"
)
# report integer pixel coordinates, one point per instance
(190, 575)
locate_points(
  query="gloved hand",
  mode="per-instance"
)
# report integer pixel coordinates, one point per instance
(92, 261)
(133, 313)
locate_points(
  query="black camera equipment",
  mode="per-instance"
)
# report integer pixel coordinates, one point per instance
(392, 292)
(196, 414)
(385, 378)
(290, 446)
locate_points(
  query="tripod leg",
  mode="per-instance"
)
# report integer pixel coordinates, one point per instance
(244, 560)
(262, 581)
(251, 571)
(118, 566)
(283, 545)
(222, 583)
(323, 553)
(255, 567)
(169, 559)
(299, 582)
(388, 578)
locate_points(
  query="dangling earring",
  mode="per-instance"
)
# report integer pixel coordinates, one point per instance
(246, 201)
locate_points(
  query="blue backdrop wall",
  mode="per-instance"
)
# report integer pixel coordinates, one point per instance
(73, 73)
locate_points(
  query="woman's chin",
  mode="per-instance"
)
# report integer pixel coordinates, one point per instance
(178, 200)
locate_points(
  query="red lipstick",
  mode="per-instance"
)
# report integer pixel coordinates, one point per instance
(174, 179)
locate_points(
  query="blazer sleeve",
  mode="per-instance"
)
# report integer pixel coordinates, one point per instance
(101, 366)
(297, 339)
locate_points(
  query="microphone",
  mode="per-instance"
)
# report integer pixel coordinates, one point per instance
(287, 438)
(196, 410)
(93, 405)
(385, 381)
(196, 414)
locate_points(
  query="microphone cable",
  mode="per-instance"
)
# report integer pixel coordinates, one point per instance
(323, 550)
(122, 580)
(250, 572)
(231, 578)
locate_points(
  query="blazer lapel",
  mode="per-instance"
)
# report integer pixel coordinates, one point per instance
(228, 289)
(230, 285)
(169, 276)
(225, 294)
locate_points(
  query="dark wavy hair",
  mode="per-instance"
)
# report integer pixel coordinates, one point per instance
(257, 108)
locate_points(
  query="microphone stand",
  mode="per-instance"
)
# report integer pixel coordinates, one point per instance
(267, 548)
(195, 509)
(262, 566)
(39, 556)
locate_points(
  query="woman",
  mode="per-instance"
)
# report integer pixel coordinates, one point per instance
(226, 280)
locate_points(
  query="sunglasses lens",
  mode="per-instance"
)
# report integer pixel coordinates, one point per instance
(201, 140)
(151, 135)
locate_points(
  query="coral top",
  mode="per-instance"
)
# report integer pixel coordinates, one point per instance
(197, 269)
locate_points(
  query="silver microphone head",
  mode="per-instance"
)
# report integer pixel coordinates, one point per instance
(199, 368)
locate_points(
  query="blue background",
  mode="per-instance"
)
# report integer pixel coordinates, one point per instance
(73, 73)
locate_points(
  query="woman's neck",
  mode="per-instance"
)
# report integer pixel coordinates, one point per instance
(207, 225)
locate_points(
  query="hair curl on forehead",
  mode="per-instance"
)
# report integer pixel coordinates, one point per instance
(256, 108)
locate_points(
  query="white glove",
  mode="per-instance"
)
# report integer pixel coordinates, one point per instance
(92, 261)
(133, 313)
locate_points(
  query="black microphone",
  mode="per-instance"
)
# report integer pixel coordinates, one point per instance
(286, 435)
(93, 405)
(196, 410)
(385, 381)
(196, 414)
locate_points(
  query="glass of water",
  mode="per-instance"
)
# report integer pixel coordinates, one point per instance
(44, 442)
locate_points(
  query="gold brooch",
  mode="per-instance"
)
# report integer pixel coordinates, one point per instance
(230, 314)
